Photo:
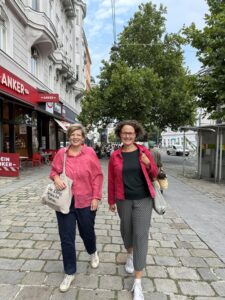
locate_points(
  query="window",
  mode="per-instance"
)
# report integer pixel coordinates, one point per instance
(51, 78)
(77, 17)
(77, 44)
(2, 35)
(77, 72)
(34, 4)
(34, 61)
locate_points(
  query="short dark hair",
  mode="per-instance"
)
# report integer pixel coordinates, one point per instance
(139, 130)
(73, 128)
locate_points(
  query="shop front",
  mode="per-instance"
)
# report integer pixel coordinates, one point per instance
(24, 128)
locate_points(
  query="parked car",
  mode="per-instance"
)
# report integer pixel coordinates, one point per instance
(177, 150)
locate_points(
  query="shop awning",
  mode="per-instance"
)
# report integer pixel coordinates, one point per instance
(63, 124)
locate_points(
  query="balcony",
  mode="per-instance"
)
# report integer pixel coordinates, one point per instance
(39, 28)
(69, 8)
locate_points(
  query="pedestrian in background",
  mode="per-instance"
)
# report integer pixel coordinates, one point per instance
(83, 167)
(156, 154)
(131, 169)
(162, 178)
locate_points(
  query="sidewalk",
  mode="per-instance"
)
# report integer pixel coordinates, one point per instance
(180, 266)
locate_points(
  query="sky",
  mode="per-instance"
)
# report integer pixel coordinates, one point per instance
(98, 25)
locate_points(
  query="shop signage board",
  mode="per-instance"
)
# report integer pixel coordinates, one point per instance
(9, 164)
(14, 86)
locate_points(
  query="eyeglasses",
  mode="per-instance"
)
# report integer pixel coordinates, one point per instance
(127, 133)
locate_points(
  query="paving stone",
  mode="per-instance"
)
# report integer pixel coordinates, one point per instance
(214, 262)
(30, 253)
(183, 273)
(165, 285)
(220, 273)
(20, 236)
(50, 254)
(196, 288)
(53, 266)
(193, 262)
(43, 245)
(202, 253)
(111, 283)
(33, 265)
(25, 244)
(34, 293)
(11, 277)
(96, 295)
(164, 252)
(111, 248)
(207, 274)
(10, 253)
(11, 264)
(156, 271)
(219, 286)
(34, 278)
(181, 252)
(69, 295)
(178, 297)
(209, 298)
(8, 292)
(166, 261)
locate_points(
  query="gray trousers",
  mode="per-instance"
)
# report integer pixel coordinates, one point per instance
(135, 219)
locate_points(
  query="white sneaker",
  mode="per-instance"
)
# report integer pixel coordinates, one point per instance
(138, 293)
(129, 266)
(94, 260)
(65, 285)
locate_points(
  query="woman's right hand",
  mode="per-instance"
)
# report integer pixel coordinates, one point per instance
(59, 183)
(112, 207)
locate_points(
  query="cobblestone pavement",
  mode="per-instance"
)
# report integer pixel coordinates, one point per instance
(180, 265)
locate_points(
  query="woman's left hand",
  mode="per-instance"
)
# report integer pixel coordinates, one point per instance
(145, 160)
(94, 204)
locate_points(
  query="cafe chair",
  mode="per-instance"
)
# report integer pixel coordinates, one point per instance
(36, 159)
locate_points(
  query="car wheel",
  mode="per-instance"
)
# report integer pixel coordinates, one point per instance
(168, 152)
(186, 154)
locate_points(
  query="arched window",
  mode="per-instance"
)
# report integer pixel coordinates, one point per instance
(34, 61)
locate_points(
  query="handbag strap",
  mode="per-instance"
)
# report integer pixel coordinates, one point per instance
(64, 163)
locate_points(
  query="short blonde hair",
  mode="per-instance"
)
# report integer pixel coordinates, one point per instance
(75, 127)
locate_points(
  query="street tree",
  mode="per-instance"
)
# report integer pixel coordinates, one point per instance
(144, 78)
(209, 43)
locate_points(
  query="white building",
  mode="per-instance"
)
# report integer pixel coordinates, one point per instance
(42, 79)
(170, 137)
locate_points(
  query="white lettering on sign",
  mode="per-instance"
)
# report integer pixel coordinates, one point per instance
(13, 84)
(2, 158)
(5, 164)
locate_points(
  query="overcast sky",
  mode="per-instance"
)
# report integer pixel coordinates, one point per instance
(99, 28)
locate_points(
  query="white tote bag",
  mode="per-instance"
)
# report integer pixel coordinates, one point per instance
(159, 203)
(59, 200)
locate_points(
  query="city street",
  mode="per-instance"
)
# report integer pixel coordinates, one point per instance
(186, 256)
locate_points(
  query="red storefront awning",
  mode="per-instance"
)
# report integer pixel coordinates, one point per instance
(18, 88)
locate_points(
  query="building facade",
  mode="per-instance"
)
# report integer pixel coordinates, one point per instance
(42, 72)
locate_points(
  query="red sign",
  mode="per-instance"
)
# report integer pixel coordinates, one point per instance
(13, 85)
(9, 164)
(48, 97)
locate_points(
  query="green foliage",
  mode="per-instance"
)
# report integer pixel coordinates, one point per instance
(209, 43)
(144, 78)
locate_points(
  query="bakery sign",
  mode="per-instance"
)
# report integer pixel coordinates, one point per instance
(16, 87)
(9, 164)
